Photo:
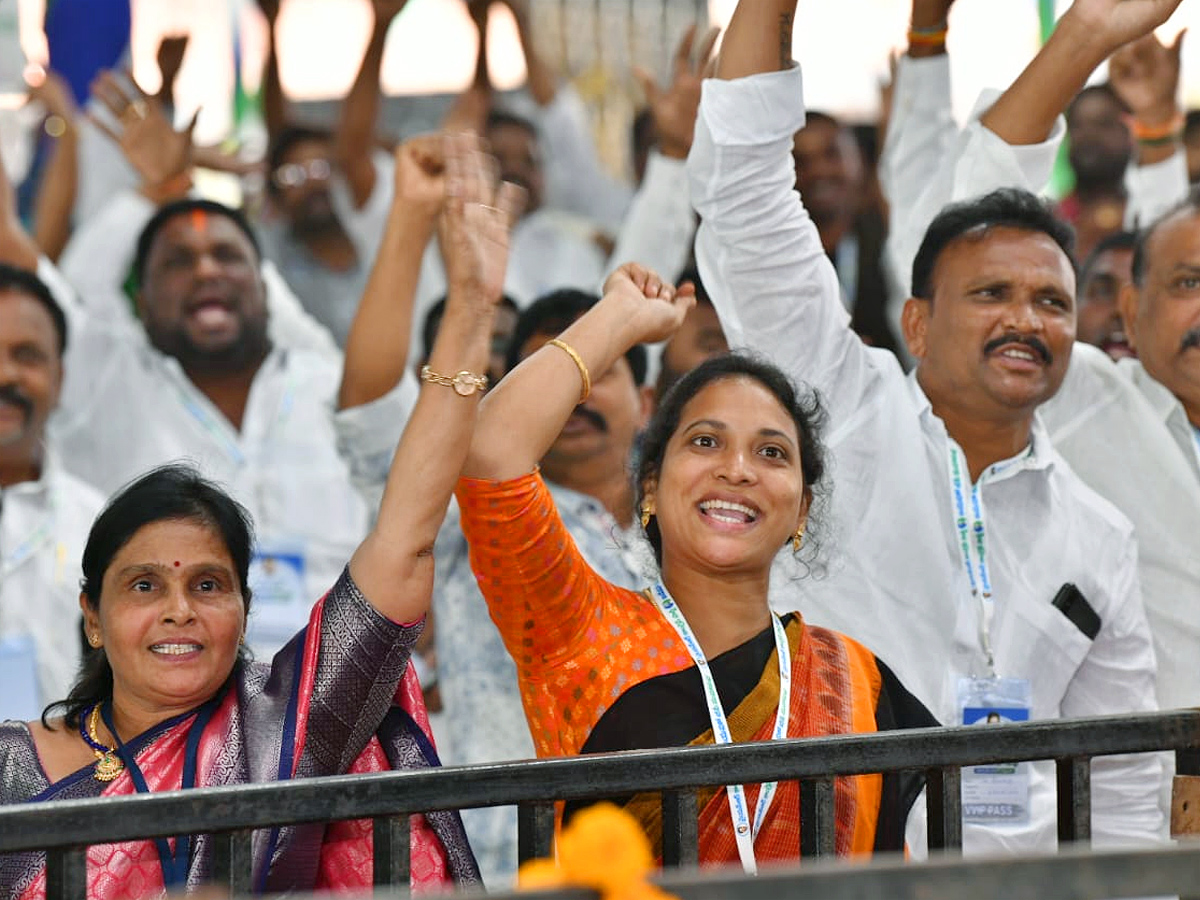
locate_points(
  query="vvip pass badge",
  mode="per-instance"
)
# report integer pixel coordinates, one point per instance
(277, 576)
(996, 793)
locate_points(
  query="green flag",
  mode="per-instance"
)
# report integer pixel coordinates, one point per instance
(1062, 179)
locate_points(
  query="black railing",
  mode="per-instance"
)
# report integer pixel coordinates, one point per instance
(65, 828)
(1073, 874)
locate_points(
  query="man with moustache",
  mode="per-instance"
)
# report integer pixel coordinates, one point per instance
(45, 513)
(1122, 428)
(964, 550)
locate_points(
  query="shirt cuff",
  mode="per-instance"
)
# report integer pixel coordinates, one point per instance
(367, 435)
(665, 176)
(922, 84)
(1027, 166)
(757, 109)
(1155, 189)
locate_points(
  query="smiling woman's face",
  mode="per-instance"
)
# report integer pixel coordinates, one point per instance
(170, 616)
(731, 492)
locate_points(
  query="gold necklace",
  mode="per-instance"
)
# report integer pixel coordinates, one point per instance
(108, 764)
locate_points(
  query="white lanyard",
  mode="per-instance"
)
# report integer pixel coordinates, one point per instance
(218, 429)
(743, 832)
(25, 550)
(972, 542)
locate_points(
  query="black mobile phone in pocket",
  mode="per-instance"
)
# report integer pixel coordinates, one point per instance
(1071, 603)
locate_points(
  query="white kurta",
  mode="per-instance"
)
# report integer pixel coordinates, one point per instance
(44, 526)
(895, 576)
(1122, 431)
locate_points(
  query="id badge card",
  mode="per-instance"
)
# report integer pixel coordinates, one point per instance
(280, 602)
(997, 793)
(18, 674)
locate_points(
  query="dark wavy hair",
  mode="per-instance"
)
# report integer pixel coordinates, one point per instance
(805, 410)
(552, 313)
(23, 281)
(169, 493)
(168, 211)
(1002, 208)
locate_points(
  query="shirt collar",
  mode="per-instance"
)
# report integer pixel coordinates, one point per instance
(1039, 455)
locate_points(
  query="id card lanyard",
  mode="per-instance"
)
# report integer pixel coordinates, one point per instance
(745, 832)
(972, 542)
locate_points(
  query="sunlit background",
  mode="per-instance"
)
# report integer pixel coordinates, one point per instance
(844, 46)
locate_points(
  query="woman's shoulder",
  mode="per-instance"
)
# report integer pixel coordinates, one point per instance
(20, 767)
(16, 734)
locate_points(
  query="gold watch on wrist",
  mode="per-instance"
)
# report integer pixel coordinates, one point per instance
(464, 383)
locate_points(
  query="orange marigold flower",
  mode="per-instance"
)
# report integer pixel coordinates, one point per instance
(604, 848)
(540, 873)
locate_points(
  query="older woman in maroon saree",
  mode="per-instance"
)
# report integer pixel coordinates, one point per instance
(269, 723)
(167, 698)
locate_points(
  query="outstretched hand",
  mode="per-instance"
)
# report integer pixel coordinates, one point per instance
(656, 308)
(1114, 23)
(150, 143)
(674, 108)
(1145, 75)
(477, 217)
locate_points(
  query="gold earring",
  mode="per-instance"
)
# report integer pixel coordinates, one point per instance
(797, 540)
(647, 512)
(94, 640)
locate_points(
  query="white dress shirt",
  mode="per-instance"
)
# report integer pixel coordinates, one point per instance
(127, 408)
(894, 575)
(44, 526)
(1122, 432)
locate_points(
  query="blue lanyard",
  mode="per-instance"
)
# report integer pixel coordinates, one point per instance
(174, 863)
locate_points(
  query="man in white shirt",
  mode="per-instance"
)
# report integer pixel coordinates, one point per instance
(963, 550)
(201, 379)
(45, 514)
(1121, 428)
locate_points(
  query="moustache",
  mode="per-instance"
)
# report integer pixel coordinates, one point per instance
(1033, 343)
(11, 394)
(592, 416)
(1190, 340)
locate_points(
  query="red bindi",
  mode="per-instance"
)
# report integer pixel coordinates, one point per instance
(177, 564)
(199, 220)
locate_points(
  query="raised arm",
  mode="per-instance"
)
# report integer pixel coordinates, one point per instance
(394, 564)
(1012, 139)
(275, 110)
(523, 415)
(470, 109)
(1145, 75)
(1084, 37)
(354, 138)
(377, 346)
(543, 80)
(17, 248)
(60, 180)
(921, 127)
(758, 250)
(658, 228)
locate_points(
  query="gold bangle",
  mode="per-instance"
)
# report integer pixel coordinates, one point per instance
(464, 383)
(585, 390)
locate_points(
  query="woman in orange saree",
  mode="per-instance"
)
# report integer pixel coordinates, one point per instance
(728, 467)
